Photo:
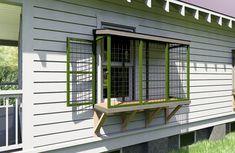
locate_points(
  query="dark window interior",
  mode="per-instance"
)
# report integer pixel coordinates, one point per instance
(120, 49)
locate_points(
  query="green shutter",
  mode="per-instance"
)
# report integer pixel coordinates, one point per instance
(80, 72)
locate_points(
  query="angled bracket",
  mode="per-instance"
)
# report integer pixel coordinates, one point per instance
(126, 118)
(149, 116)
(169, 115)
(99, 119)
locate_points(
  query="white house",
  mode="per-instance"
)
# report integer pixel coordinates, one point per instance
(116, 76)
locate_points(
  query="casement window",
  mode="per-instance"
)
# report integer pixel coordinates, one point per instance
(121, 68)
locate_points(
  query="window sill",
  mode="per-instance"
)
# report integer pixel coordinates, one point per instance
(128, 112)
(102, 107)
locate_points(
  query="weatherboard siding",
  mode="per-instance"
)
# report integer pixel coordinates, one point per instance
(210, 65)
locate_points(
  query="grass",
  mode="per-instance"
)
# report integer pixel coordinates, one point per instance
(225, 145)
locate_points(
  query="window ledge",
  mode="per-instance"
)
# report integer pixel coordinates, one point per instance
(102, 107)
(128, 112)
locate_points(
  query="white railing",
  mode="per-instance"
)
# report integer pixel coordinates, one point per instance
(10, 120)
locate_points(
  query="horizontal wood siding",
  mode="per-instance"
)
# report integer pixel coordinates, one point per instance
(210, 65)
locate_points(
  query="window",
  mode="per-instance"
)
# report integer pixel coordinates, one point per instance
(187, 139)
(121, 68)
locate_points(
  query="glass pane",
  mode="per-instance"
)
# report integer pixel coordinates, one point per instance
(120, 49)
(119, 82)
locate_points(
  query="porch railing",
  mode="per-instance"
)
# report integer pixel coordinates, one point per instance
(10, 120)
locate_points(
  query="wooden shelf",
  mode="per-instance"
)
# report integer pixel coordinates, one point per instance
(101, 112)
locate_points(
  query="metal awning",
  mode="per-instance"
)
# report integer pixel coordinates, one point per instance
(140, 36)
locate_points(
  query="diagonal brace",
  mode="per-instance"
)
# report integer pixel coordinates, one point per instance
(99, 121)
(170, 115)
(149, 116)
(126, 117)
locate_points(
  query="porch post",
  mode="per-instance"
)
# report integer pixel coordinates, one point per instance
(27, 75)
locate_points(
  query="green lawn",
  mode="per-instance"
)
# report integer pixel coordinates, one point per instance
(226, 145)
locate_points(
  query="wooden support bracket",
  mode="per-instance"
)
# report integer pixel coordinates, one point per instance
(126, 117)
(169, 115)
(149, 115)
(99, 119)
(233, 95)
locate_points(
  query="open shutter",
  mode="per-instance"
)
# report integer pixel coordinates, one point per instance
(80, 72)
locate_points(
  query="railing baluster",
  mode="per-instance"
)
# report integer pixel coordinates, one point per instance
(16, 119)
(7, 103)
(11, 99)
